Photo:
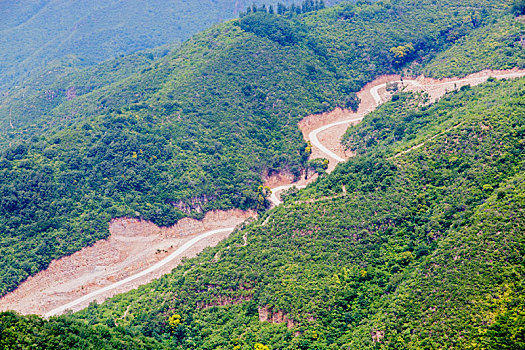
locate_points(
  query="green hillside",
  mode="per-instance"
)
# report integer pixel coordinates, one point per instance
(197, 129)
(424, 250)
(499, 45)
(36, 32)
(399, 247)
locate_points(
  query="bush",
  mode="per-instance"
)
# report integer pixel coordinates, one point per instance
(518, 7)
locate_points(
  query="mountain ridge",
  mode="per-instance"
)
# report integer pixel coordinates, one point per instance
(360, 257)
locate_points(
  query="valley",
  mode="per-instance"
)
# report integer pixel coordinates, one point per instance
(300, 177)
(122, 263)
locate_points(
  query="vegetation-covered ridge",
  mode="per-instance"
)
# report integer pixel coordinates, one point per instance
(197, 129)
(423, 251)
(34, 33)
(499, 45)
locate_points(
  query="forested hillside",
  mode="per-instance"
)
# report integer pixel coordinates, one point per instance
(62, 81)
(499, 45)
(416, 242)
(197, 129)
(36, 32)
(424, 250)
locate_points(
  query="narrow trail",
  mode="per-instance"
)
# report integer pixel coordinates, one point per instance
(435, 89)
(275, 199)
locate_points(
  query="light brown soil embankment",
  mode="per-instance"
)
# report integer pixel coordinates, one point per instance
(133, 246)
(435, 88)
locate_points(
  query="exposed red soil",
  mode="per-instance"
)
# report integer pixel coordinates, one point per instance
(283, 179)
(268, 315)
(278, 179)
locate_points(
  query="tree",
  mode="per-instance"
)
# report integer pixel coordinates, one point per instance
(174, 321)
(318, 165)
(281, 9)
(402, 53)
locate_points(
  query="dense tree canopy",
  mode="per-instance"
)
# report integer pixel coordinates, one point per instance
(417, 250)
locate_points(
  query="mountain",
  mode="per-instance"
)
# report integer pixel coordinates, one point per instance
(423, 250)
(197, 129)
(416, 242)
(36, 32)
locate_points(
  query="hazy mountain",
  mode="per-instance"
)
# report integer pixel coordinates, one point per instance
(35, 32)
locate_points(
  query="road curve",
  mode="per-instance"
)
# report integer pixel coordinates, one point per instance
(375, 95)
(274, 198)
(374, 91)
(175, 254)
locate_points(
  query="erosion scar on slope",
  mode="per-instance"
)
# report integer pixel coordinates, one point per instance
(143, 251)
(135, 253)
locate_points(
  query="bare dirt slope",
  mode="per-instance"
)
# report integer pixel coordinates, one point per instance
(133, 246)
(328, 128)
(136, 246)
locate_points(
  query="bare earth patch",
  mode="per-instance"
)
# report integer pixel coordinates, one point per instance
(331, 138)
(133, 246)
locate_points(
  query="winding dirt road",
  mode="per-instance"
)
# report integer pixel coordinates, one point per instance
(325, 137)
(169, 258)
(324, 132)
(358, 117)
(85, 299)
(275, 198)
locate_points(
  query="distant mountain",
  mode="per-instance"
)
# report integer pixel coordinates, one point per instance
(35, 32)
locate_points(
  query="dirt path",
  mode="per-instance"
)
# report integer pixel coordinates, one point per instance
(181, 250)
(325, 130)
(138, 252)
(135, 253)
(275, 196)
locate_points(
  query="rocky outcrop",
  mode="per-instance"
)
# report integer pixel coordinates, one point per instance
(267, 315)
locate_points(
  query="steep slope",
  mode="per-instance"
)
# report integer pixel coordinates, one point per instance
(469, 293)
(500, 45)
(364, 268)
(198, 129)
(61, 81)
(33, 33)
(423, 251)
